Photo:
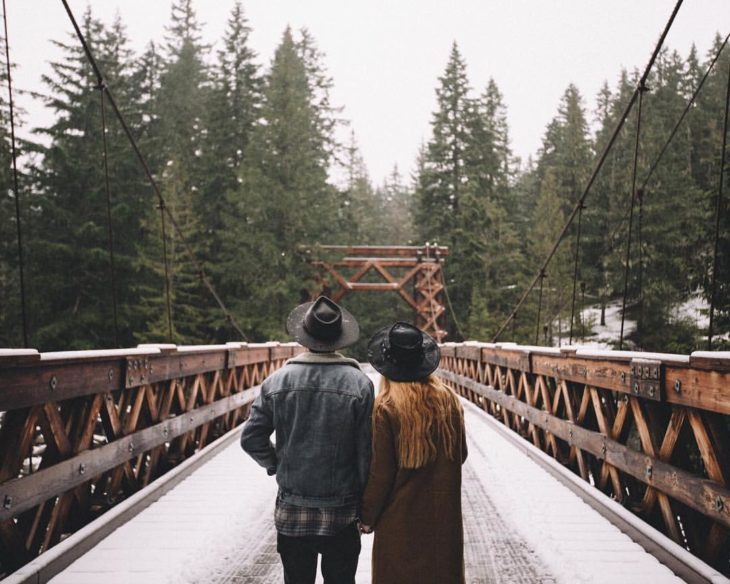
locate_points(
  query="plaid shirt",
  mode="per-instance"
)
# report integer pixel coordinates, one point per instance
(295, 521)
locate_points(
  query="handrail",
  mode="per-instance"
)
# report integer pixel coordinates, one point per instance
(651, 430)
(81, 431)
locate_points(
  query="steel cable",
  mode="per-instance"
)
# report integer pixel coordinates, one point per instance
(150, 178)
(627, 266)
(110, 227)
(16, 189)
(718, 214)
(597, 168)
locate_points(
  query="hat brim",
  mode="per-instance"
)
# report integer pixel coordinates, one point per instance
(428, 364)
(295, 327)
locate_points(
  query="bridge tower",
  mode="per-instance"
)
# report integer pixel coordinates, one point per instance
(414, 272)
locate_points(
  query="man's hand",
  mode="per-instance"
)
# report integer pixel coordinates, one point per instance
(364, 528)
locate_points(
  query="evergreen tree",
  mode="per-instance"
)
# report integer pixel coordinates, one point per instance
(284, 199)
(11, 320)
(70, 252)
(440, 183)
(179, 106)
(231, 113)
(357, 212)
(706, 127)
(393, 212)
(557, 283)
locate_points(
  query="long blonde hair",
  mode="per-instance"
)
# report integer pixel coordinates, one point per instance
(425, 410)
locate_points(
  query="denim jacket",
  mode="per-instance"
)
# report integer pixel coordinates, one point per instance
(320, 406)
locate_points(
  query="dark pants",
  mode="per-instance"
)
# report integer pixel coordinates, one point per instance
(339, 556)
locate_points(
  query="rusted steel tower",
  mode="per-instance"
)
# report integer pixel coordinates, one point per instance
(415, 273)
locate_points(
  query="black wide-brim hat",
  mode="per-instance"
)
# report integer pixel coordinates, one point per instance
(322, 325)
(403, 352)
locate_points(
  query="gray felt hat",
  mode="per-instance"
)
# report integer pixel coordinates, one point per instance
(322, 325)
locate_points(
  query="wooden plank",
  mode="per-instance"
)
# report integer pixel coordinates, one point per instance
(707, 390)
(163, 367)
(606, 427)
(54, 431)
(385, 250)
(604, 374)
(646, 434)
(714, 360)
(39, 383)
(374, 286)
(394, 262)
(697, 493)
(16, 437)
(29, 491)
(514, 359)
(570, 412)
(241, 357)
(715, 469)
(470, 352)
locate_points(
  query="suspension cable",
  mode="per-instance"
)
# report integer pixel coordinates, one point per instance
(110, 227)
(718, 213)
(575, 273)
(640, 246)
(539, 308)
(16, 189)
(614, 232)
(598, 166)
(451, 308)
(168, 301)
(637, 141)
(176, 227)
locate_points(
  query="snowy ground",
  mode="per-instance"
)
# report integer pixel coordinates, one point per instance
(520, 525)
(695, 309)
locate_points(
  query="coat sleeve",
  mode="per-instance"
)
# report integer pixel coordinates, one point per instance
(364, 426)
(464, 450)
(383, 469)
(255, 439)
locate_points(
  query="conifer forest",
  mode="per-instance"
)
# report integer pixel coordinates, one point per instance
(248, 159)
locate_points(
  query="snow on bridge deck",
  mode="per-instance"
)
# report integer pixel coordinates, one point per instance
(520, 525)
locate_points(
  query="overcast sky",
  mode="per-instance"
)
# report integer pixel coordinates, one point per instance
(385, 55)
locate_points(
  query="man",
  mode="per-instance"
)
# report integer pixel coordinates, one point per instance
(320, 405)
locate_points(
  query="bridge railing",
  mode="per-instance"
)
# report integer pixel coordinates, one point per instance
(81, 431)
(652, 431)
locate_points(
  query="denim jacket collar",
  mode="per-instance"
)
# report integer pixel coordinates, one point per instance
(324, 358)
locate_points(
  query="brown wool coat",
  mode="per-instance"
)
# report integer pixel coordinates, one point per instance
(416, 513)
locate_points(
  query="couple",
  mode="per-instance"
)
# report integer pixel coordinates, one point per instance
(346, 465)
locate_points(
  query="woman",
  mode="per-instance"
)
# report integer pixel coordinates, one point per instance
(413, 497)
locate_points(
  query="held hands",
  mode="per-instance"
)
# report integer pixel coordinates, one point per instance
(366, 529)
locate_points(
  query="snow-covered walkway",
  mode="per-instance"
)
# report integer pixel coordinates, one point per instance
(520, 523)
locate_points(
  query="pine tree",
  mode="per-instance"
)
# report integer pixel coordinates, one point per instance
(549, 220)
(358, 218)
(11, 320)
(706, 126)
(440, 184)
(284, 198)
(393, 211)
(177, 133)
(70, 251)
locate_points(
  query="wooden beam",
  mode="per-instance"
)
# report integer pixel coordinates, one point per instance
(697, 493)
(29, 491)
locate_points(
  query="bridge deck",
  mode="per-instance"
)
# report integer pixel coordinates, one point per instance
(521, 525)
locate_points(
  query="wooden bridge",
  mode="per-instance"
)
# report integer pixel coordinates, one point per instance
(89, 439)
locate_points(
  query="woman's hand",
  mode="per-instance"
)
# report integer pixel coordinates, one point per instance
(364, 528)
